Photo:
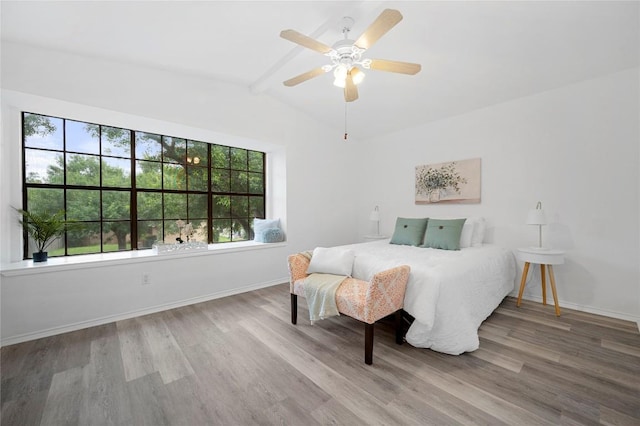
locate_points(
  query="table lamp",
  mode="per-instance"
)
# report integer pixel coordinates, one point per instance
(537, 217)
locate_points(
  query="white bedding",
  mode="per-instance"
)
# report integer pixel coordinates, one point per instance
(449, 292)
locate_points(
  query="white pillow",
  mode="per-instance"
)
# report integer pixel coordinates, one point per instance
(467, 232)
(479, 229)
(261, 225)
(334, 261)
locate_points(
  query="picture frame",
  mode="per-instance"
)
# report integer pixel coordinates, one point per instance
(451, 182)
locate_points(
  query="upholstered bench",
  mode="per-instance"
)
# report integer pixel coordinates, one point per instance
(365, 301)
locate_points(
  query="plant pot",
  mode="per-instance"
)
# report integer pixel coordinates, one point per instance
(434, 196)
(40, 256)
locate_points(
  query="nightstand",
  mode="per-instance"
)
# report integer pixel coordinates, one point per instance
(375, 237)
(543, 258)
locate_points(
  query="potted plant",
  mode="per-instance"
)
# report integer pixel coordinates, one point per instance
(44, 228)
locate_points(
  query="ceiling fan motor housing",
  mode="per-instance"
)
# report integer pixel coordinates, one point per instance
(347, 54)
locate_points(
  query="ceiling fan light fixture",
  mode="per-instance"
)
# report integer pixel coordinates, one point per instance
(340, 74)
(356, 75)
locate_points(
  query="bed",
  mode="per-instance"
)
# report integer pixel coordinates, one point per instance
(449, 292)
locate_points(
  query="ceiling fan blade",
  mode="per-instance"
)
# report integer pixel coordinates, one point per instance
(395, 66)
(350, 89)
(304, 77)
(303, 40)
(383, 23)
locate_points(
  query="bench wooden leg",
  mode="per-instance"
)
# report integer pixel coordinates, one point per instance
(294, 308)
(399, 336)
(368, 344)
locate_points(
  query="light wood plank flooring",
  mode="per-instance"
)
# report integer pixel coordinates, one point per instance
(239, 361)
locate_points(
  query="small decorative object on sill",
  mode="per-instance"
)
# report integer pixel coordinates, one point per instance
(188, 231)
(162, 249)
(187, 228)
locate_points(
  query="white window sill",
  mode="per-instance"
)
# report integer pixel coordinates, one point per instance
(85, 261)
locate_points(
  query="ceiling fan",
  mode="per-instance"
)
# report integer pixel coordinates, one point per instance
(347, 55)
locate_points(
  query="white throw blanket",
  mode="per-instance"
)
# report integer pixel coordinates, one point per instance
(320, 292)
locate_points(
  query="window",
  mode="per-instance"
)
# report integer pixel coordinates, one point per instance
(130, 188)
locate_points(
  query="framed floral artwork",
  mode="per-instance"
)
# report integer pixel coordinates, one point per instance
(452, 182)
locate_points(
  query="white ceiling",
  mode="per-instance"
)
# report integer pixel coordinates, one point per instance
(473, 54)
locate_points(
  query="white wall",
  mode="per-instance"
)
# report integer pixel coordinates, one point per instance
(309, 195)
(576, 149)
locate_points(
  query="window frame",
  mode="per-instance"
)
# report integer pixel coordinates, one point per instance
(133, 189)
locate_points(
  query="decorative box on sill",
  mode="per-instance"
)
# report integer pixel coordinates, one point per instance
(176, 248)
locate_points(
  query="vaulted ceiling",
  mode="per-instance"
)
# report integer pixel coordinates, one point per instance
(473, 54)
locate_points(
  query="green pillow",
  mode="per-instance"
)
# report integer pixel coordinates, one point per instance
(409, 231)
(443, 234)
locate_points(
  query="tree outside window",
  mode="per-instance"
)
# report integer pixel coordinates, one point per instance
(129, 188)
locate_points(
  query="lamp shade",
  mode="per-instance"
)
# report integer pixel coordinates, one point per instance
(536, 217)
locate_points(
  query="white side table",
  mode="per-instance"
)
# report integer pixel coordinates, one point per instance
(543, 258)
(374, 237)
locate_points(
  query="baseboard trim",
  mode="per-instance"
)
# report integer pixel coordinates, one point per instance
(132, 314)
(585, 308)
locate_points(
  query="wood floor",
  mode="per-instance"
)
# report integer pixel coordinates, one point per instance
(239, 361)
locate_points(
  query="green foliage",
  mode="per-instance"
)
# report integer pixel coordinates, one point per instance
(429, 179)
(37, 125)
(44, 227)
(185, 165)
(85, 249)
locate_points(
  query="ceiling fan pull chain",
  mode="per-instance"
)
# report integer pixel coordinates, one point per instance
(345, 120)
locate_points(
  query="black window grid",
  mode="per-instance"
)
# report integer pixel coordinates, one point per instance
(134, 190)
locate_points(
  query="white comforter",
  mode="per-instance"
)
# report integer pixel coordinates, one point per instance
(449, 292)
